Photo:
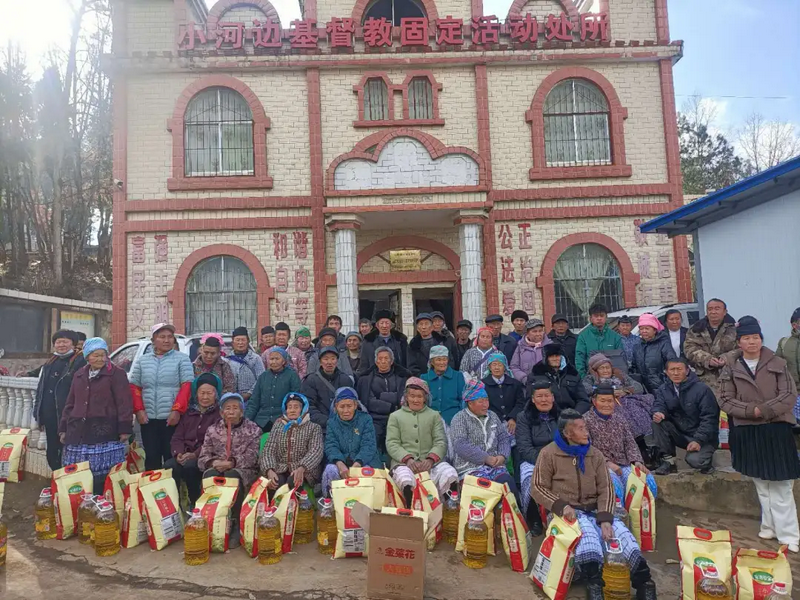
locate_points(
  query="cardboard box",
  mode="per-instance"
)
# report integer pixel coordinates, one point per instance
(397, 553)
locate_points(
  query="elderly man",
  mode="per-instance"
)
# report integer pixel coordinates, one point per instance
(419, 348)
(335, 322)
(518, 320)
(630, 341)
(161, 383)
(440, 325)
(321, 384)
(686, 415)
(209, 360)
(353, 341)
(571, 480)
(267, 339)
(247, 366)
(327, 339)
(364, 327)
(561, 334)
(384, 335)
(789, 349)
(708, 340)
(504, 343)
(463, 340)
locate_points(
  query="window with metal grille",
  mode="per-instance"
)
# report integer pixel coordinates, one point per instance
(376, 100)
(576, 130)
(420, 98)
(218, 134)
(586, 274)
(220, 296)
(393, 10)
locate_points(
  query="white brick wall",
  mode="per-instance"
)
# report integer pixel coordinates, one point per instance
(151, 26)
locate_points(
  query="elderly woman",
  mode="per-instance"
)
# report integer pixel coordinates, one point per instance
(481, 441)
(571, 480)
(536, 427)
(446, 384)
(473, 363)
(380, 389)
(758, 393)
(611, 434)
(230, 450)
(191, 431)
(349, 440)
(529, 350)
(506, 394)
(637, 407)
(293, 454)
(416, 442)
(264, 406)
(563, 378)
(650, 358)
(98, 416)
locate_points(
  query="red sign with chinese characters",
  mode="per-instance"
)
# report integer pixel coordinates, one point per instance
(343, 33)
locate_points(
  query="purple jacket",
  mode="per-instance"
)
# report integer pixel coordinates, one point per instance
(97, 410)
(243, 443)
(191, 430)
(525, 356)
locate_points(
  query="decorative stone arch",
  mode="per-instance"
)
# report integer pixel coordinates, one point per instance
(429, 5)
(408, 241)
(223, 6)
(546, 283)
(617, 114)
(371, 146)
(177, 296)
(179, 180)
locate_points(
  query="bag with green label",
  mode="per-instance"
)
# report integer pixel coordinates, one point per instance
(756, 571)
(219, 496)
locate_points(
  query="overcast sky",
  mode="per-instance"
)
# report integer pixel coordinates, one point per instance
(742, 54)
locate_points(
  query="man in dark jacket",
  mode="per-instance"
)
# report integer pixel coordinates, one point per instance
(561, 334)
(686, 415)
(505, 343)
(677, 333)
(564, 380)
(320, 386)
(440, 325)
(463, 341)
(380, 390)
(327, 337)
(55, 379)
(334, 323)
(383, 335)
(419, 348)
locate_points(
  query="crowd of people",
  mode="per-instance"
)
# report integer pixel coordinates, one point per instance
(562, 419)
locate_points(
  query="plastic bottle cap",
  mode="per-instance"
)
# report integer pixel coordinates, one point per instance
(47, 492)
(711, 571)
(302, 493)
(779, 586)
(195, 511)
(270, 512)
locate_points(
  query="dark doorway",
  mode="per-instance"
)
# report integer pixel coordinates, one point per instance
(431, 299)
(371, 301)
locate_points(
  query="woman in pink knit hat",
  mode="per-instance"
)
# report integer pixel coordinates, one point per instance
(652, 355)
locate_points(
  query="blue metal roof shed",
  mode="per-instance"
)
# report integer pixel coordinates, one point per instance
(747, 193)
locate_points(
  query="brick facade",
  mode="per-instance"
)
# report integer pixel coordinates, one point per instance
(399, 184)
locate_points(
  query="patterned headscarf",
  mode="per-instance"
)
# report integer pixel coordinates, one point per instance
(294, 396)
(482, 329)
(474, 390)
(498, 357)
(282, 351)
(302, 332)
(213, 335)
(418, 383)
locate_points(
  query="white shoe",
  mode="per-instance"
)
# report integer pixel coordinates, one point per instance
(794, 548)
(766, 535)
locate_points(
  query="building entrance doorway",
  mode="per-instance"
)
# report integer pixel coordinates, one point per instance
(431, 299)
(371, 301)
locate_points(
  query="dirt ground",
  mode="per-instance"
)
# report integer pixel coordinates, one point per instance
(68, 571)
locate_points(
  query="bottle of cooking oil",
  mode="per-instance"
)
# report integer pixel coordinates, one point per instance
(326, 527)
(450, 514)
(106, 531)
(616, 575)
(98, 500)
(304, 526)
(86, 518)
(778, 592)
(270, 545)
(195, 539)
(45, 516)
(3, 541)
(711, 586)
(476, 540)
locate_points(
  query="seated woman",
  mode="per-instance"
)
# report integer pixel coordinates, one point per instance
(571, 480)
(636, 405)
(506, 394)
(481, 441)
(611, 435)
(446, 384)
(563, 377)
(473, 363)
(536, 426)
(294, 451)
(230, 449)
(97, 418)
(416, 442)
(280, 378)
(190, 433)
(349, 439)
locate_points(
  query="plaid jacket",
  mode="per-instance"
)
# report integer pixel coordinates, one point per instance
(300, 445)
(246, 369)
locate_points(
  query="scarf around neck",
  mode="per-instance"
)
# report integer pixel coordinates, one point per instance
(578, 451)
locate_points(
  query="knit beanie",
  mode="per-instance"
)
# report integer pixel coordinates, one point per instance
(533, 323)
(231, 397)
(748, 325)
(438, 351)
(498, 357)
(650, 320)
(92, 344)
(595, 360)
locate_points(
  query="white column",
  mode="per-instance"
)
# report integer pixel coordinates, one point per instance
(470, 235)
(347, 278)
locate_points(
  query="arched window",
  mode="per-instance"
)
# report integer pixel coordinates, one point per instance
(576, 125)
(393, 10)
(376, 100)
(584, 275)
(420, 98)
(218, 134)
(220, 296)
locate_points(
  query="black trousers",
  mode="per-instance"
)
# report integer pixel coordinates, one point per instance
(49, 418)
(667, 438)
(230, 474)
(189, 474)
(156, 436)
